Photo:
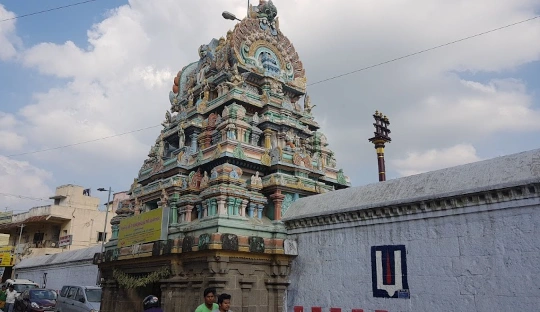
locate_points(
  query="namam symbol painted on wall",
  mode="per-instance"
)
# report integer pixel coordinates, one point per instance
(389, 271)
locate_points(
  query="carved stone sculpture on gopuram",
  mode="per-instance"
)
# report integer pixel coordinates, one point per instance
(238, 145)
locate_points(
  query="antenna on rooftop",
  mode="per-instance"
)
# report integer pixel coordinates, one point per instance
(382, 136)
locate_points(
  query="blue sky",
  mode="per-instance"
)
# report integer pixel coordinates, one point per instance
(474, 100)
(56, 26)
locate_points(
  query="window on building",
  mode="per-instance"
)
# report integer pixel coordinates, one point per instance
(102, 236)
(57, 201)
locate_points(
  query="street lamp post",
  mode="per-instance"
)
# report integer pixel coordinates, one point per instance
(101, 189)
(229, 16)
(18, 252)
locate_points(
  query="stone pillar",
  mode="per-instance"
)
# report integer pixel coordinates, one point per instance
(237, 206)
(115, 230)
(281, 139)
(189, 209)
(200, 212)
(205, 208)
(251, 209)
(260, 209)
(240, 134)
(277, 197)
(181, 214)
(221, 204)
(243, 207)
(255, 135)
(267, 138)
(213, 206)
(276, 292)
(174, 214)
(246, 284)
(173, 295)
(193, 138)
(247, 133)
(230, 205)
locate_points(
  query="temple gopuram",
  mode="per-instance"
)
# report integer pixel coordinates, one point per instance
(239, 144)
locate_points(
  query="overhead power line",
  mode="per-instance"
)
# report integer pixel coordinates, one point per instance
(48, 10)
(423, 51)
(23, 197)
(85, 142)
(314, 83)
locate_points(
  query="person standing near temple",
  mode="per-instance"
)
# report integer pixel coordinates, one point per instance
(11, 294)
(209, 304)
(224, 303)
(3, 297)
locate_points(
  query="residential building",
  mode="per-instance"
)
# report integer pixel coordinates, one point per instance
(72, 221)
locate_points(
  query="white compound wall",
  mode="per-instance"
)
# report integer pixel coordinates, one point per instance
(483, 258)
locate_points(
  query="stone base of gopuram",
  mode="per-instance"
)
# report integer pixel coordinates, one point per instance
(255, 275)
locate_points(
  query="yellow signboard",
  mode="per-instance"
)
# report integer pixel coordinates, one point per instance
(143, 228)
(6, 256)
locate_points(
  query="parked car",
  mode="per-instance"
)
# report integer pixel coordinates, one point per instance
(36, 300)
(20, 285)
(79, 299)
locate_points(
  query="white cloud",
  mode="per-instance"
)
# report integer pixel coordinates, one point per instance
(7, 120)
(9, 41)
(120, 80)
(11, 141)
(22, 179)
(474, 110)
(433, 159)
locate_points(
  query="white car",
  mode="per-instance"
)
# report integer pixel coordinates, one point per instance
(20, 285)
(79, 299)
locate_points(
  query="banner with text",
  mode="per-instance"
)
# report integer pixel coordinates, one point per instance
(65, 240)
(6, 256)
(144, 228)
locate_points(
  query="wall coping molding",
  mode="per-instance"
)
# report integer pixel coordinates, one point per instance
(451, 204)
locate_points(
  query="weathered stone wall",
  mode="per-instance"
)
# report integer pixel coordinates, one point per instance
(251, 282)
(479, 258)
(256, 281)
(115, 298)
